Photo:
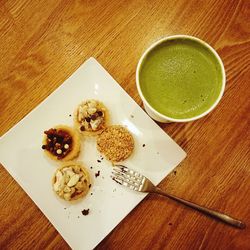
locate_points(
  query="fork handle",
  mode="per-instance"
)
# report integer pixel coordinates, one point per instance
(223, 217)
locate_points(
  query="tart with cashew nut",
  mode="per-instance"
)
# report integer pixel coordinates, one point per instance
(61, 143)
(90, 117)
(71, 181)
(116, 143)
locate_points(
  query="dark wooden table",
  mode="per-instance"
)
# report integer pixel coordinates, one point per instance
(43, 42)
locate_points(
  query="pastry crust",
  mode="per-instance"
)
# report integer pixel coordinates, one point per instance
(71, 181)
(91, 117)
(116, 143)
(74, 146)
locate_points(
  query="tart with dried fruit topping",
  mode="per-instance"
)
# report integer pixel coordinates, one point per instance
(71, 181)
(91, 117)
(61, 143)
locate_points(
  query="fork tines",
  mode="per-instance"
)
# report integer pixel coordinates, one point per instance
(127, 177)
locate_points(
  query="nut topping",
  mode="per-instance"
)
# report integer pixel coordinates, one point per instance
(67, 189)
(90, 116)
(91, 110)
(71, 181)
(59, 181)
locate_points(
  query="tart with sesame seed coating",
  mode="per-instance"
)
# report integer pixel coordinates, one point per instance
(116, 143)
(61, 143)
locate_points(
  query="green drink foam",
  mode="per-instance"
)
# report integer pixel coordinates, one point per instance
(181, 78)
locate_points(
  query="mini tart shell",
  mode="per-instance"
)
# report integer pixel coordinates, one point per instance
(92, 133)
(87, 177)
(116, 143)
(76, 144)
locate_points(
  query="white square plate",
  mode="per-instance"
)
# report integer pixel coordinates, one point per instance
(108, 202)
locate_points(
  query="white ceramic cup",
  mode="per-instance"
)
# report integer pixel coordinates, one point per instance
(154, 114)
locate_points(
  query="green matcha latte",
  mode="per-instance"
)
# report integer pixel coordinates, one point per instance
(181, 78)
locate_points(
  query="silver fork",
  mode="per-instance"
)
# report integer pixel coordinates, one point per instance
(138, 182)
